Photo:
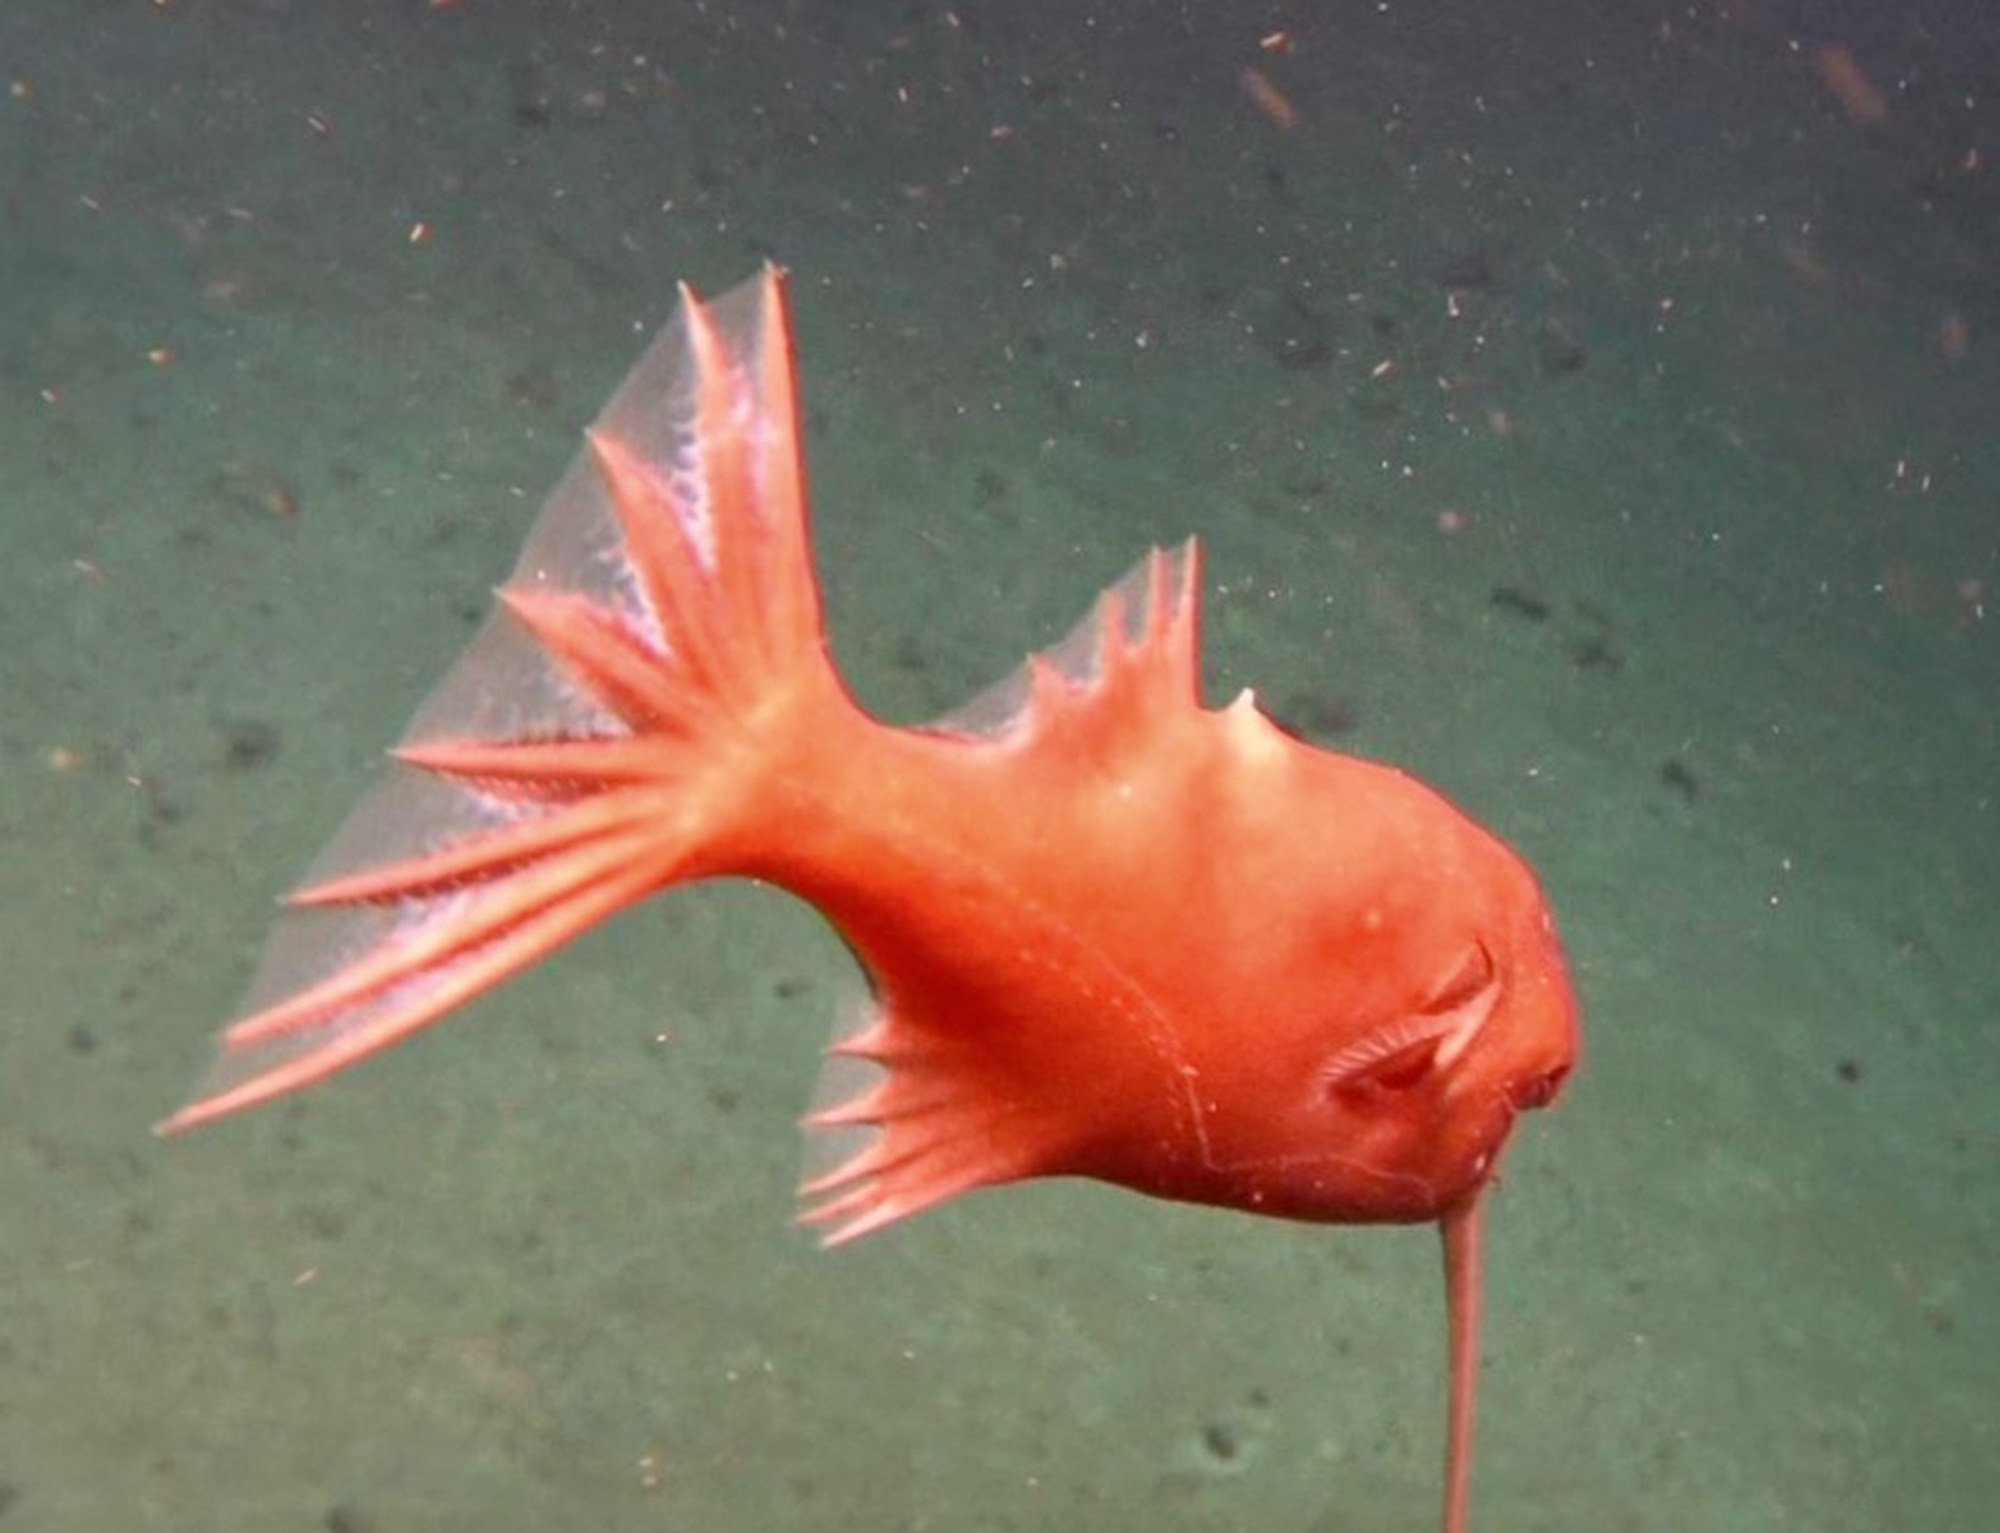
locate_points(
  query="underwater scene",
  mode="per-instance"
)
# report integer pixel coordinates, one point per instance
(1503, 502)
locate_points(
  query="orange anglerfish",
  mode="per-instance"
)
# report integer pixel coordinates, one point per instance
(1110, 932)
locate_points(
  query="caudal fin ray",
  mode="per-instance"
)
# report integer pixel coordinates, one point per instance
(656, 638)
(414, 965)
(715, 522)
(664, 543)
(428, 931)
(459, 865)
(542, 771)
(645, 689)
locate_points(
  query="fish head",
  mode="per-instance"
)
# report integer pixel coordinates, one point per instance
(1413, 1013)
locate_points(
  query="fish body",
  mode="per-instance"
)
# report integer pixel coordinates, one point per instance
(1121, 936)
(1109, 931)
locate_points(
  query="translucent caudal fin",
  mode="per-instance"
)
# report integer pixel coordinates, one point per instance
(598, 740)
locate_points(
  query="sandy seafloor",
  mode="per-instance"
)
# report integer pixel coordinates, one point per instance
(1612, 310)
